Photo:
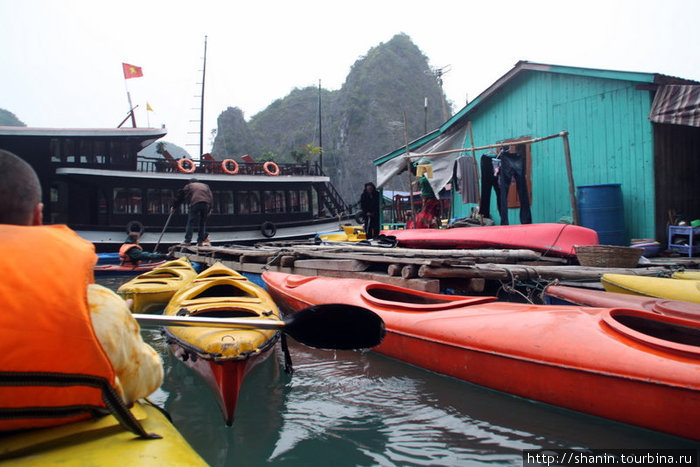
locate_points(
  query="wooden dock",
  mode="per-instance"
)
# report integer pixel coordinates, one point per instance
(464, 271)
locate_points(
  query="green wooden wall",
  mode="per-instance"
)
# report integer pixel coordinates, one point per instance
(609, 133)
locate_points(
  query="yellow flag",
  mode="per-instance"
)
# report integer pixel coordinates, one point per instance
(148, 107)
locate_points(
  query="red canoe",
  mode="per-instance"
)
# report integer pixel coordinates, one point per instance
(552, 239)
(561, 295)
(631, 366)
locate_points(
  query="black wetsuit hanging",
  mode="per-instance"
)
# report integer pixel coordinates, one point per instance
(513, 166)
(489, 180)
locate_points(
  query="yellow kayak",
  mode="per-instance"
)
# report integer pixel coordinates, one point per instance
(658, 287)
(152, 290)
(687, 275)
(350, 233)
(222, 356)
(101, 442)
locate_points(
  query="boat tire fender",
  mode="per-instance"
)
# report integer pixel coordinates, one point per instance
(360, 217)
(181, 163)
(225, 166)
(134, 226)
(268, 229)
(271, 168)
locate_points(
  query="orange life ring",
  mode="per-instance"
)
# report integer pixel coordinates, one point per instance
(181, 165)
(271, 171)
(224, 166)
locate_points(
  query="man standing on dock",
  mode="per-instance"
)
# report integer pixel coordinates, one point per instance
(200, 199)
(369, 203)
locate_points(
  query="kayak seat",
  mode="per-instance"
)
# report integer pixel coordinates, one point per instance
(222, 290)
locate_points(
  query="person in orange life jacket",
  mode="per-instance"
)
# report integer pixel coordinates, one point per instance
(131, 253)
(66, 343)
(200, 200)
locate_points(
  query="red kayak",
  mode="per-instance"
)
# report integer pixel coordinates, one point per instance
(561, 295)
(552, 239)
(632, 366)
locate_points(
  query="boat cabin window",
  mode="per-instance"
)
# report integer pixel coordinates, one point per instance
(248, 202)
(101, 203)
(274, 201)
(55, 149)
(100, 153)
(58, 198)
(159, 201)
(119, 151)
(69, 150)
(84, 151)
(298, 201)
(127, 201)
(223, 202)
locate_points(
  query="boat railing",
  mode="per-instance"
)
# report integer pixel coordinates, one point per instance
(155, 164)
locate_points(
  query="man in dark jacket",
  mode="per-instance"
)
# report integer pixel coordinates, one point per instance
(200, 200)
(369, 204)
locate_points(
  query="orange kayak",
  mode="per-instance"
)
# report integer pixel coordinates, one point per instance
(632, 366)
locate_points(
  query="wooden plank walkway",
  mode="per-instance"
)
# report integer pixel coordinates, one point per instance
(418, 269)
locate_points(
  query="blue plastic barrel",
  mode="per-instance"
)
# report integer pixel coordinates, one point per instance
(600, 208)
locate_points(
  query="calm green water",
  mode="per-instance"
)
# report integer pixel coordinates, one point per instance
(364, 409)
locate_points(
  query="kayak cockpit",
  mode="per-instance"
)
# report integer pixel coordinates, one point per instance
(668, 333)
(401, 299)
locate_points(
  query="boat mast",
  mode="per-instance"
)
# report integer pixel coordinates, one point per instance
(320, 129)
(201, 115)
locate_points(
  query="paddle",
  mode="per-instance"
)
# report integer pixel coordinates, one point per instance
(331, 326)
(163, 232)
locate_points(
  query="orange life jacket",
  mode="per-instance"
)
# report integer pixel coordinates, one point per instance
(53, 369)
(124, 257)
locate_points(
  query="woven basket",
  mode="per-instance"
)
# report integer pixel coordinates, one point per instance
(608, 256)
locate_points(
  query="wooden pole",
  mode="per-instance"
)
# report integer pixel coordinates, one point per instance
(410, 178)
(476, 171)
(201, 107)
(570, 175)
(479, 148)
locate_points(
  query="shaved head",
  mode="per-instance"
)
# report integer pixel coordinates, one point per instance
(20, 191)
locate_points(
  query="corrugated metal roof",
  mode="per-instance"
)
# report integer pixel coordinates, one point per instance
(677, 104)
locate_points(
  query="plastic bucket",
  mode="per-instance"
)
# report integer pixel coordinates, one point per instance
(600, 208)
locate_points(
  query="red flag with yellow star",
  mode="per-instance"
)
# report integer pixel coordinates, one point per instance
(131, 71)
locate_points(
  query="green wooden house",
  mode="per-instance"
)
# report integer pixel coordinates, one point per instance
(639, 130)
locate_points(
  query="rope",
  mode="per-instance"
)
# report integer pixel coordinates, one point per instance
(555, 241)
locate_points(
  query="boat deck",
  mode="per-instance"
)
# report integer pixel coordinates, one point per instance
(464, 271)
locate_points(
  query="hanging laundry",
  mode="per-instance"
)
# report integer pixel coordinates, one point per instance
(513, 168)
(467, 182)
(489, 180)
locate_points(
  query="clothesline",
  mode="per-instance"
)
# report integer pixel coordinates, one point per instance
(567, 157)
(409, 155)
